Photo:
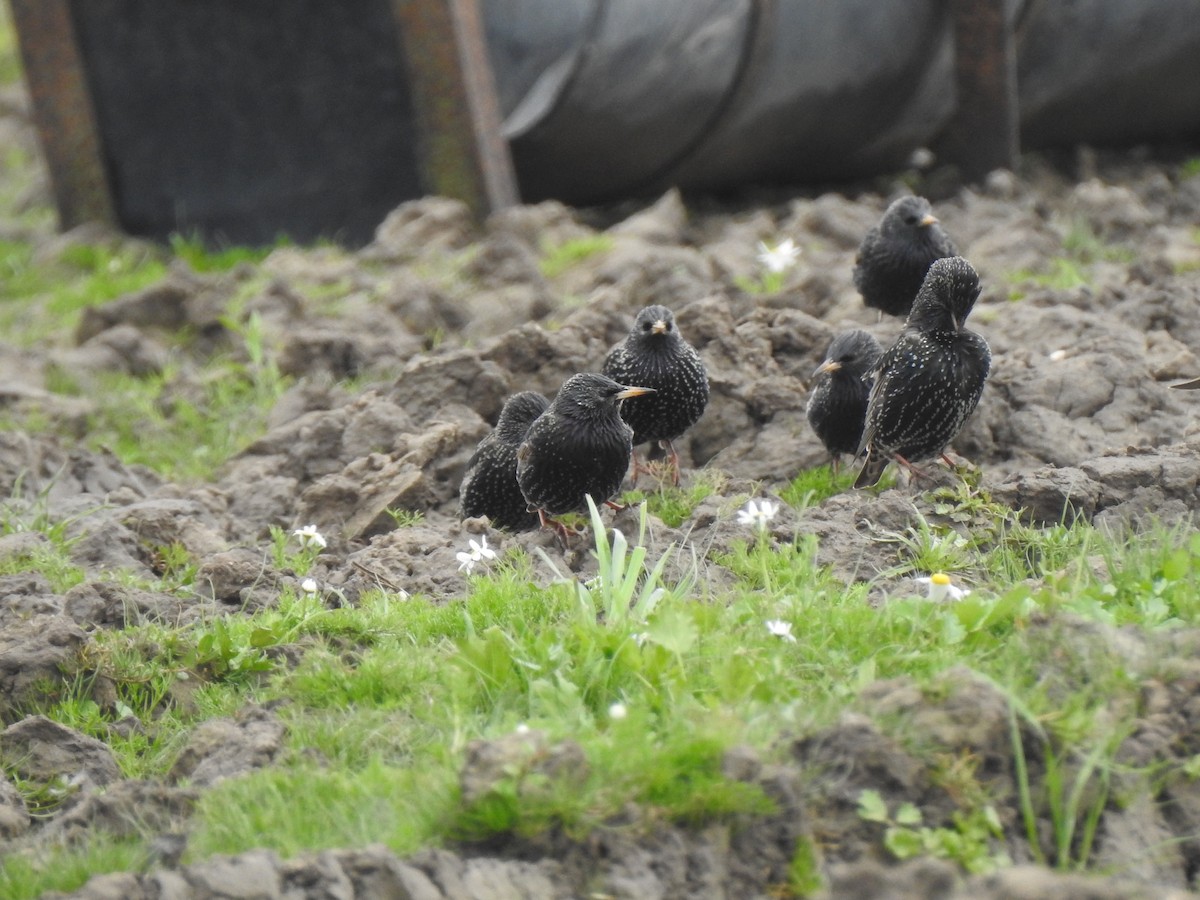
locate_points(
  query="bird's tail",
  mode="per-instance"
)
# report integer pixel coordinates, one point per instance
(872, 469)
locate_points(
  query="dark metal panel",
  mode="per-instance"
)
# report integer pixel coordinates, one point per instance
(246, 120)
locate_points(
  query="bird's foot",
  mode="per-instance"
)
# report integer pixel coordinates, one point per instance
(658, 469)
(916, 471)
(672, 460)
(562, 529)
(639, 470)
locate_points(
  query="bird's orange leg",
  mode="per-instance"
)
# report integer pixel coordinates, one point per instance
(917, 472)
(563, 531)
(672, 459)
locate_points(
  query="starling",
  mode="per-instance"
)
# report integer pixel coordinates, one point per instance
(895, 255)
(656, 355)
(489, 485)
(579, 446)
(837, 406)
(930, 379)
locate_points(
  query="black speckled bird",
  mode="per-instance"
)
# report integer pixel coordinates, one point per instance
(837, 406)
(656, 355)
(489, 486)
(895, 255)
(931, 378)
(579, 446)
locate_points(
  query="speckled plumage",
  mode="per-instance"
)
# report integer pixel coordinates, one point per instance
(929, 381)
(579, 446)
(837, 406)
(656, 356)
(895, 255)
(489, 486)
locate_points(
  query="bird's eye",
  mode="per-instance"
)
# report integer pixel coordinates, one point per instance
(911, 220)
(646, 326)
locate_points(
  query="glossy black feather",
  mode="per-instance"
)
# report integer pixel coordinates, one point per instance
(837, 406)
(660, 359)
(930, 380)
(489, 486)
(579, 446)
(895, 255)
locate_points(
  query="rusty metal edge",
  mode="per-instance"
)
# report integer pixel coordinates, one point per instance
(461, 146)
(984, 132)
(63, 112)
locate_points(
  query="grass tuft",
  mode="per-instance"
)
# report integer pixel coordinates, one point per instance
(557, 259)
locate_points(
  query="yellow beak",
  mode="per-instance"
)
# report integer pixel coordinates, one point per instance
(659, 327)
(830, 365)
(930, 219)
(633, 392)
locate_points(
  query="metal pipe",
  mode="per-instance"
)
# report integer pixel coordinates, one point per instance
(640, 94)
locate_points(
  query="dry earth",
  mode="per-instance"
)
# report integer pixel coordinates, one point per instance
(1077, 413)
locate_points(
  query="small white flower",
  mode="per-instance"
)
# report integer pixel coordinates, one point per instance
(758, 513)
(940, 589)
(617, 711)
(477, 552)
(309, 585)
(309, 537)
(781, 629)
(521, 728)
(481, 551)
(1057, 355)
(779, 258)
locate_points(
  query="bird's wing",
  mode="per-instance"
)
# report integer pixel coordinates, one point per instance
(614, 363)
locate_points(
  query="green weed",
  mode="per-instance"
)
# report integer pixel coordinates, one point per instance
(970, 842)
(558, 259)
(811, 486)
(405, 518)
(202, 258)
(673, 505)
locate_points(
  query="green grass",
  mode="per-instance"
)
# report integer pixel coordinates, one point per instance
(557, 259)
(644, 676)
(811, 486)
(1084, 245)
(10, 58)
(185, 421)
(42, 299)
(1083, 248)
(674, 505)
(387, 694)
(185, 428)
(192, 250)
